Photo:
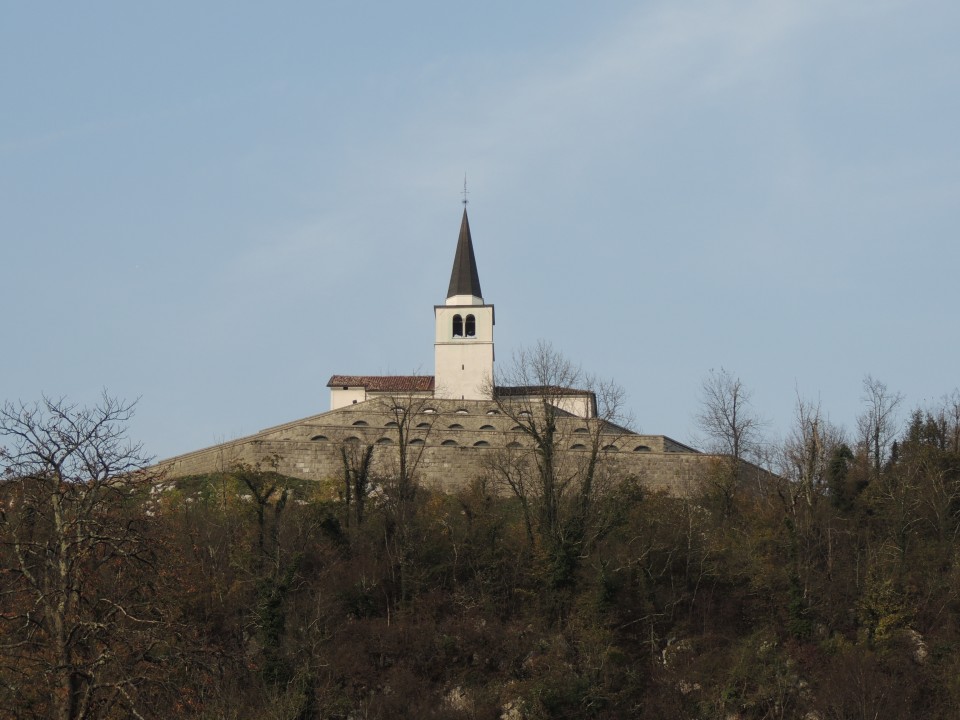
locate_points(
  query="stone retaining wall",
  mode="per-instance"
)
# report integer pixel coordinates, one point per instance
(449, 457)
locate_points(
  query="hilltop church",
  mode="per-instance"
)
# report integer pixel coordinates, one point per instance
(463, 350)
(449, 425)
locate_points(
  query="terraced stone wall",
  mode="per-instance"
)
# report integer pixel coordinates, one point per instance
(458, 437)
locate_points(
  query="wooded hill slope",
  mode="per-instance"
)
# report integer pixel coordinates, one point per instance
(832, 592)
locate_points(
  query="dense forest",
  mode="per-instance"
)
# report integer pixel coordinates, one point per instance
(827, 589)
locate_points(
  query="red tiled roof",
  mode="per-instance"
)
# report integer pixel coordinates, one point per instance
(384, 383)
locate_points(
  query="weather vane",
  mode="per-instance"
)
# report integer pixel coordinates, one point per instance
(465, 201)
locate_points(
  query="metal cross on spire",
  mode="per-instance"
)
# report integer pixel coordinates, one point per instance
(465, 191)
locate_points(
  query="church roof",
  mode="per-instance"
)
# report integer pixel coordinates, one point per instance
(384, 383)
(464, 280)
(533, 390)
(551, 393)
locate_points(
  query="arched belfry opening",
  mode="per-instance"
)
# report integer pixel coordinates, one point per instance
(470, 326)
(458, 326)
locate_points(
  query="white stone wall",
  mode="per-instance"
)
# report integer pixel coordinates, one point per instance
(463, 366)
(340, 396)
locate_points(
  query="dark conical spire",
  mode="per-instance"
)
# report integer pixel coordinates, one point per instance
(464, 279)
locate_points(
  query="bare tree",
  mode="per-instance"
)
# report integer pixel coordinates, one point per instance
(356, 458)
(78, 621)
(390, 462)
(411, 420)
(410, 427)
(732, 429)
(727, 418)
(807, 452)
(951, 411)
(555, 406)
(877, 424)
(268, 490)
(805, 466)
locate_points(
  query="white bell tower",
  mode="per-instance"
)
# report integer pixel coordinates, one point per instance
(463, 348)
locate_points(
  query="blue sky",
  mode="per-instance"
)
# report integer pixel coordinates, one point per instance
(216, 206)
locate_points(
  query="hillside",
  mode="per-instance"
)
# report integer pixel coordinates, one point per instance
(831, 593)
